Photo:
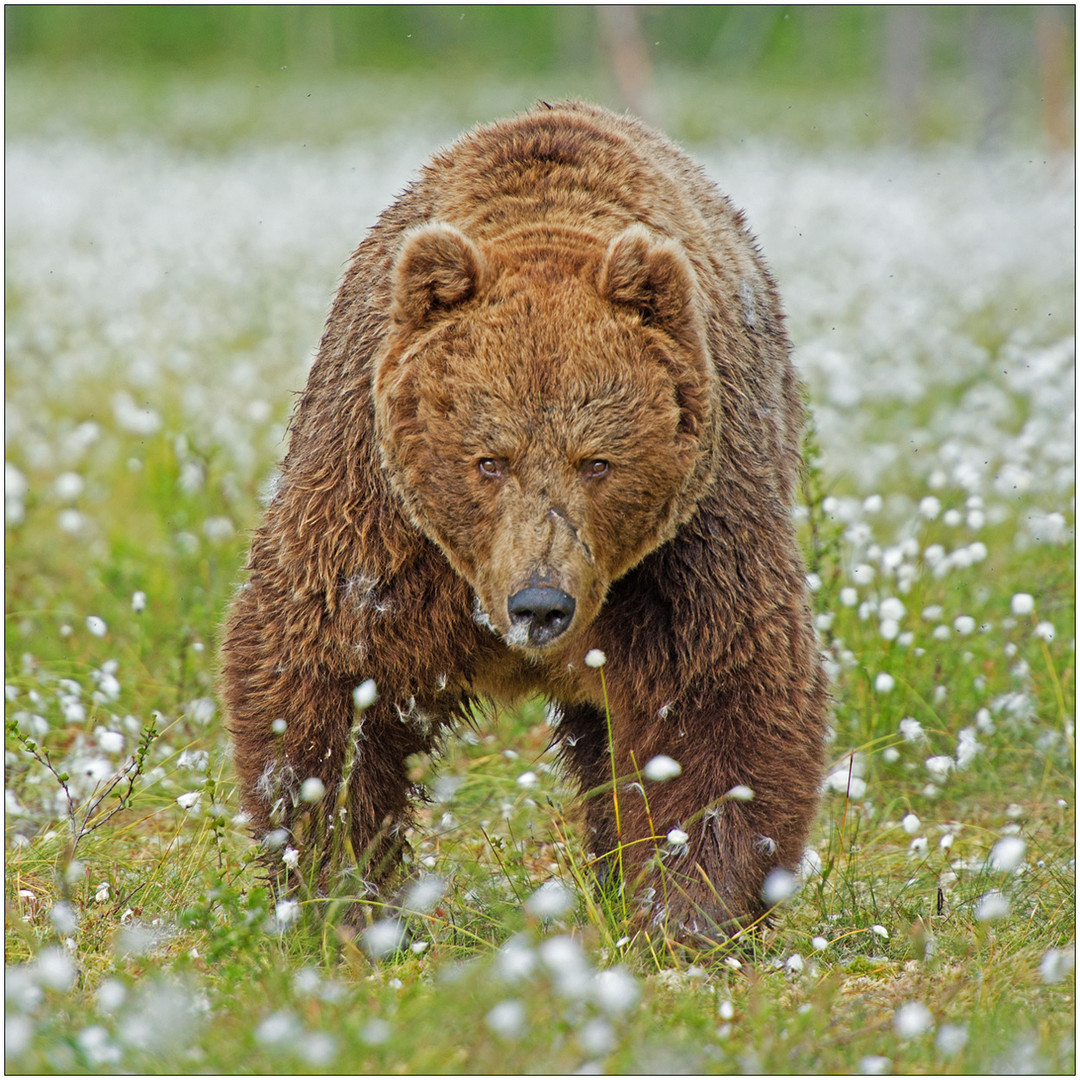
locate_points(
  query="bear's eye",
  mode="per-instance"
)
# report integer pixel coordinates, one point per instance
(595, 469)
(492, 468)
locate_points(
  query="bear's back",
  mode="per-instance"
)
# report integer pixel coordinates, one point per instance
(582, 168)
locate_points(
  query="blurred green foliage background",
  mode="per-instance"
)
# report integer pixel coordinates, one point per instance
(794, 44)
(935, 69)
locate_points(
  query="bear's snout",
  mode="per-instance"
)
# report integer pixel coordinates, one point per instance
(539, 614)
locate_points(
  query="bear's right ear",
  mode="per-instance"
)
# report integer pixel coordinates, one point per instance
(437, 266)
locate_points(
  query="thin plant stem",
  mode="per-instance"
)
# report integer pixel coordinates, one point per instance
(843, 825)
(614, 795)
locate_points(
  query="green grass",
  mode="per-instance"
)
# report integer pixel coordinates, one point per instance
(183, 930)
(142, 938)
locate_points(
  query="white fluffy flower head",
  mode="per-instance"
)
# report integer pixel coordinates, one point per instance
(661, 768)
(365, 694)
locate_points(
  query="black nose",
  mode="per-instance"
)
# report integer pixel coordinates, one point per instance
(542, 611)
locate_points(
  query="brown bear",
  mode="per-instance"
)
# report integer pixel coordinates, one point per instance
(553, 411)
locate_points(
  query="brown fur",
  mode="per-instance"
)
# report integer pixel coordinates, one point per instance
(556, 360)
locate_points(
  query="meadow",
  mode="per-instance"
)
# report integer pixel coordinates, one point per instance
(170, 260)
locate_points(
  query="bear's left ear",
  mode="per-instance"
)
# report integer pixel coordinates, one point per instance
(437, 266)
(653, 275)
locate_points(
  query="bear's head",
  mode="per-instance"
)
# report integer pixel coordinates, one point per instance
(546, 413)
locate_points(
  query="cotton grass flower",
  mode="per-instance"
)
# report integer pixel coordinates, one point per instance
(507, 1019)
(810, 865)
(365, 694)
(514, 960)
(110, 996)
(596, 1037)
(740, 793)
(54, 969)
(193, 760)
(884, 682)
(1007, 855)
(594, 658)
(189, 801)
(910, 824)
(550, 901)
(615, 991)
(162, 1018)
(874, 1065)
(780, 885)
(110, 742)
(677, 838)
(376, 1032)
(286, 912)
(992, 907)
(280, 1028)
(912, 730)
(844, 783)
(891, 608)
(424, 894)
(1022, 603)
(939, 766)
(951, 1039)
(312, 790)
(912, 1019)
(63, 918)
(565, 961)
(71, 521)
(96, 625)
(95, 1042)
(382, 937)
(318, 1048)
(967, 747)
(1056, 965)
(661, 768)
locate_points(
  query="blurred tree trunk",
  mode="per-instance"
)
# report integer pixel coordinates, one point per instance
(990, 39)
(620, 30)
(1055, 32)
(906, 49)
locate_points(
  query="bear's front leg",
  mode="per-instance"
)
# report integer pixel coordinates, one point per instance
(293, 719)
(583, 746)
(697, 848)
